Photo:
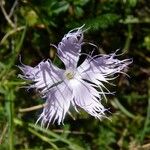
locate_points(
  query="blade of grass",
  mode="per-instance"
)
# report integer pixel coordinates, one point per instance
(43, 138)
(13, 31)
(9, 92)
(3, 133)
(147, 120)
(18, 47)
(71, 145)
(128, 38)
(10, 112)
(14, 55)
(123, 109)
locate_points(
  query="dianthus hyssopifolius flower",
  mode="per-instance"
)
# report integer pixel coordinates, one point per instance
(80, 86)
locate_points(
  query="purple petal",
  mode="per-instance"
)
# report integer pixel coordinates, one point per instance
(57, 104)
(101, 68)
(86, 97)
(70, 47)
(43, 76)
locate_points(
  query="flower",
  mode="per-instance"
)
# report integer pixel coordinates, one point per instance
(80, 86)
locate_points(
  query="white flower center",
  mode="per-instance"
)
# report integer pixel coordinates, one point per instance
(69, 74)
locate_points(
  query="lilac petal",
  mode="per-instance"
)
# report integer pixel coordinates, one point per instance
(70, 46)
(57, 104)
(28, 72)
(43, 76)
(86, 97)
(101, 68)
(109, 64)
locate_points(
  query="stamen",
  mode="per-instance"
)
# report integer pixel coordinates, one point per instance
(69, 74)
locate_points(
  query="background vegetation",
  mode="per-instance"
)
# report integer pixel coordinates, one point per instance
(27, 27)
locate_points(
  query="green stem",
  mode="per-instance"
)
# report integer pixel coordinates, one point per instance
(128, 39)
(18, 47)
(123, 109)
(44, 138)
(10, 112)
(9, 95)
(32, 128)
(13, 31)
(14, 55)
(147, 120)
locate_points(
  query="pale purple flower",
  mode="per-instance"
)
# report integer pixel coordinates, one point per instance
(80, 86)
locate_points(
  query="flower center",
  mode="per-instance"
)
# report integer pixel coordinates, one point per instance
(69, 74)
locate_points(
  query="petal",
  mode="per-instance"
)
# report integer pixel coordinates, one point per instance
(86, 97)
(102, 67)
(28, 71)
(57, 104)
(70, 47)
(44, 75)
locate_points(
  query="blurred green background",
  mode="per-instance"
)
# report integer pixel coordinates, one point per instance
(27, 27)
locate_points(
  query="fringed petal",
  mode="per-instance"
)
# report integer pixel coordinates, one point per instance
(87, 97)
(70, 46)
(102, 67)
(57, 104)
(44, 75)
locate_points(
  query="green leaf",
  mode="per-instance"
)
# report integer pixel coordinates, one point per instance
(103, 21)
